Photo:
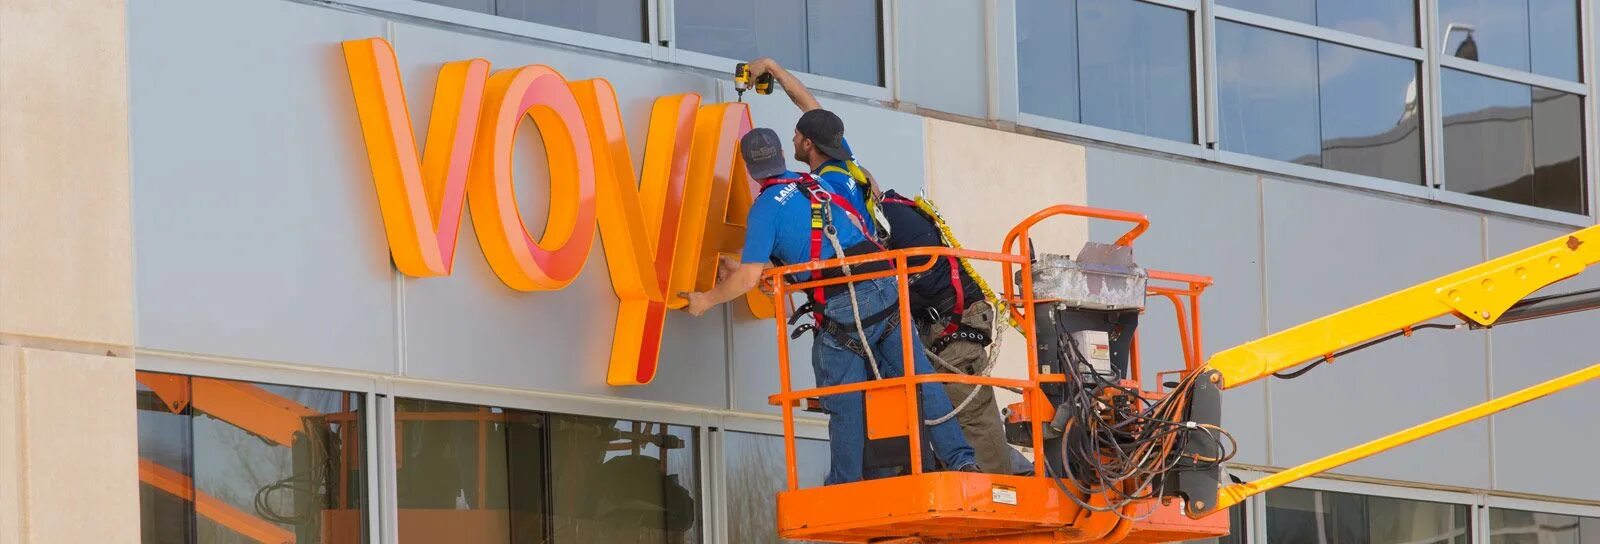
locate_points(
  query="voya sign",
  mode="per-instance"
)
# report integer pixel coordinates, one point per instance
(662, 225)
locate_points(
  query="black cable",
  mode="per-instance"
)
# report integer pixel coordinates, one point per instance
(1391, 336)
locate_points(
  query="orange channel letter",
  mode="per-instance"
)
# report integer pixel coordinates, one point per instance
(420, 200)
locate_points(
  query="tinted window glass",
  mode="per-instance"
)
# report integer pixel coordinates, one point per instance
(1391, 20)
(1047, 52)
(1488, 133)
(756, 473)
(1300, 515)
(1554, 32)
(841, 42)
(1237, 529)
(1118, 64)
(1370, 119)
(617, 18)
(1558, 180)
(623, 481)
(834, 38)
(1304, 11)
(1531, 35)
(271, 463)
(1267, 94)
(1521, 527)
(469, 470)
(1135, 69)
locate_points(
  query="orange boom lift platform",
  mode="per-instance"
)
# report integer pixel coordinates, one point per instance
(1153, 467)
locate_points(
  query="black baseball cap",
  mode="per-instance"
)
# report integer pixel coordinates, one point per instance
(826, 131)
(763, 153)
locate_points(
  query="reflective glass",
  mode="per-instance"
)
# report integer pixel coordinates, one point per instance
(1392, 20)
(840, 41)
(756, 473)
(1371, 123)
(1540, 36)
(1237, 529)
(1304, 11)
(1047, 58)
(1558, 180)
(1302, 515)
(480, 6)
(616, 18)
(834, 38)
(1522, 527)
(1267, 94)
(1135, 68)
(468, 472)
(269, 463)
(1488, 136)
(623, 481)
(1553, 28)
(1119, 64)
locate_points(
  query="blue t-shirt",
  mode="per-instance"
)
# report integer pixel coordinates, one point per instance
(779, 226)
(841, 183)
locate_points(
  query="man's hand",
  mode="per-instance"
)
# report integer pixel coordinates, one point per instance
(699, 304)
(797, 91)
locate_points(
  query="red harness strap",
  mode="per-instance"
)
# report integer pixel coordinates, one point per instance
(820, 220)
(955, 270)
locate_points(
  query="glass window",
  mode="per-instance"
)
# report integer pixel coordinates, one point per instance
(756, 474)
(624, 19)
(1513, 142)
(1540, 36)
(1237, 529)
(469, 473)
(1523, 527)
(1390, 20)
(1119, 64)
(835, 38)
(266, 463)
(1267, 94)
(623, 481)
(1302, 515)
(1294, 99)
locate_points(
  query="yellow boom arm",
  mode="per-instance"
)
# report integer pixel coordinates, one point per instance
(1479, 294)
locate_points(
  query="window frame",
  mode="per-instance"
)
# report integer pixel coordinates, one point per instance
(1435, 188)
(660, 44)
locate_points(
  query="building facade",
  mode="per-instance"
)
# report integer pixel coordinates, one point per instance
(205, 336)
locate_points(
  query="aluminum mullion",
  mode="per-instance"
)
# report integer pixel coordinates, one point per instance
(388, 499)
(1591, 132)
(1432, 107)
(1515, 76)
(1319, 33)
(375, 530)
(1205, 54)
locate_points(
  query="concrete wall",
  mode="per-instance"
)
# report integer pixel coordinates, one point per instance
(67, 448)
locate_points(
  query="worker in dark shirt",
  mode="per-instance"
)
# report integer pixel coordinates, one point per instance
(957, 322)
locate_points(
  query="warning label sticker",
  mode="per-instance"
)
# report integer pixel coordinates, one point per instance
(1004, 495)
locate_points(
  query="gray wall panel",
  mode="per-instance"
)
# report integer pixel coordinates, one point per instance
(1328, 249)
(940, 44)
(256, 230)
(470, 327)
(1533, 439)
(1203, 221)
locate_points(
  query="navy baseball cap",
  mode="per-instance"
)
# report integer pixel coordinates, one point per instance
(763, 153)
(826, 131)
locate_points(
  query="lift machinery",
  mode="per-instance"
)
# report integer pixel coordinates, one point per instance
(1114, 461)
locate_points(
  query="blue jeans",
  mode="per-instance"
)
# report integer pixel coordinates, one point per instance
(835, 365)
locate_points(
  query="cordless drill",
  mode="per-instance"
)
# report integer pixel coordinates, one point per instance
(742, 81)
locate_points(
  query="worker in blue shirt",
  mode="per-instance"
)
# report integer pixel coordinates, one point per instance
(858, 322)
(824, 131)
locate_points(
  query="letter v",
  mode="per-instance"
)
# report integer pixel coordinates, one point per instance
(421, 200)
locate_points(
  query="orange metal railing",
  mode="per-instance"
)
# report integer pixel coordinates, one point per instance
(1019, 300)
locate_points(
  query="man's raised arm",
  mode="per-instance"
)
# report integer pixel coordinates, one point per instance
(797, 91)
